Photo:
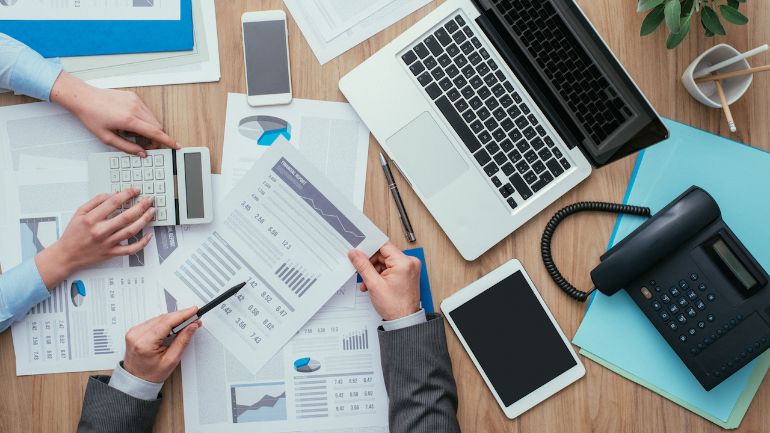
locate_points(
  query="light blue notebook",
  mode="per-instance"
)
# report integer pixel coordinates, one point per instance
(738, 177)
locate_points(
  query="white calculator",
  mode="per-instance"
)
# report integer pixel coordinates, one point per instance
(179, 180)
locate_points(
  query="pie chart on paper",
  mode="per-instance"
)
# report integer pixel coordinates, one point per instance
(264, 129)
(307, 365)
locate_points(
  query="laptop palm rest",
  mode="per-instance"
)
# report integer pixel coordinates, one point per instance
(426, 155)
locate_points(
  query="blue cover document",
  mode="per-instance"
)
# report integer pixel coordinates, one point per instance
(614, 328)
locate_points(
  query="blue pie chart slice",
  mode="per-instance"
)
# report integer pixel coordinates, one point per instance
(264, 129)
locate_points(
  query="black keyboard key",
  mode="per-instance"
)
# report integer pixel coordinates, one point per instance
(483, 113)
(467, 49)
(452, 50)
(514, 156)
(565, 163)
(506, 100)
(499, 113)
(430, 62)
(492, 65)
(446, 84)
(533, 120)
(485, 137)
(475, 102)
(482, 69)
(452, 71)
(421, 50)
(555, 167)
(529, 132)
(522, 166)
(454, 119)
(444, 61)
(539, 167)
(425, 79)
(524, 108)
(498, 133)
(437, 73)
(476, 42)
(491, 103)
(477, 82)
(451, 26)
(514, 112)
(540, 130)
(515, 135)
(477, 126)
(507, 190)
(556, 152)
(409, 57)
(544, 154)
(506, 145)
(507, 124)
(508, 87)
(433, 90)
(483, 51)
(461, 61)
(508, 169)
(522, 122)
(545, 179)
(530, 156)
(500, 76)
(490, 80)
(468, 31)
(460, 82)
(530, 177)
(460, 20)
(491, 168)
(500, 158)
(511, 202)
(459, 37)
(474, 58)
(516, 96)
(433, 45)
(417, 68)
(549, 142)
(469, 116)
(521, 186)
(468, 71)
(467, 91)
(482, 157)
(461, 105)
(496, 182)
(498, 90)
(443, 36)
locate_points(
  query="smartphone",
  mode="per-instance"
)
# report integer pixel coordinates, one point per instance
(266, 55)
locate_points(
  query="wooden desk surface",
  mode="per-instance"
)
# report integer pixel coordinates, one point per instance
(600, 402)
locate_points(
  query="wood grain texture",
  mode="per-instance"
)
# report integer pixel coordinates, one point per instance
(602, 401)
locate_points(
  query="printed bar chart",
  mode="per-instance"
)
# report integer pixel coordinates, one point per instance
(296, 278)
(356, 341)
(102, 342)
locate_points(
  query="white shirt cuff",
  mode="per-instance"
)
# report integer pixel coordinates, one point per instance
(405, 322)
(127, 383)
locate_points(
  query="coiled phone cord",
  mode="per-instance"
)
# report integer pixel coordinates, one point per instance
(550, 228)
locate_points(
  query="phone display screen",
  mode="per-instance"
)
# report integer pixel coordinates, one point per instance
(267, 62)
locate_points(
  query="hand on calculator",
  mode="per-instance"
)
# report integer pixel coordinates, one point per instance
(93, 237)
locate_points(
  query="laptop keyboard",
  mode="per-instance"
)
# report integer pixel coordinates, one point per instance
(570, 69)
(485, 110)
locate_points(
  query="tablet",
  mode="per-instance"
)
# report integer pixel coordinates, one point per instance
(512, 338)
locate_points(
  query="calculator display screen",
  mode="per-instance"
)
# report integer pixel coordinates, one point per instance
(733, 263)
(193, 179)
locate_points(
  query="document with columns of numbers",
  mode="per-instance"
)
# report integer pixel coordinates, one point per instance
(286, 231)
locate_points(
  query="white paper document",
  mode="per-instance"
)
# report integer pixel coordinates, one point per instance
(328, 134)
(89, 9)
(332, 27)
(285, 230)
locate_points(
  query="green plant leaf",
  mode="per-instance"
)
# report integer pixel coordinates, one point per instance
(652, 20)
(708, 33)
(733, 15)
(688, 6)
(675, 39)
(733, 3)
(644, 5)
(673, 13)
(710, 21)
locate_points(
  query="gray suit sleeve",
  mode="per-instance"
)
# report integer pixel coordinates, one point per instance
(107, 410)
(418, 378)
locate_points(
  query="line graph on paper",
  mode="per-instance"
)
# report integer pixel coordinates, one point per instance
(335, 220)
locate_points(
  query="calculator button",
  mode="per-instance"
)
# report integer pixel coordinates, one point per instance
(148, 174)
(691, 312)
(711, 297)
(125, 175)
(701, 324)
(683, 338)
(694, 276)
(733, 322)
(161, 214)
(674, 292)
(682, 302)
(160, 174)
(683, 284)
(702, 286)
(665, 298)
(114, 162)
(147, 162)
(673, 309)
(136, 174)
(125, 187)
(158, 160)
(673, 326)
(125, 162)
(136, 162)
(665, 316)
(656, 305)
(681, 319)
(700, 305)
(149, 188)
(115, 187)
(160, 187)
(160, 201)
(691, 295)
(114, 176)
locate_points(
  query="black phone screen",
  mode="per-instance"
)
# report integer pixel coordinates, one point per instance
(267, 62)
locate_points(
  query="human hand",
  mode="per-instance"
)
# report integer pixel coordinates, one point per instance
(146, 356)
(91, 237)
(105, 112)
(392, 279)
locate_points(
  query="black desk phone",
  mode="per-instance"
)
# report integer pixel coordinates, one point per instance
(693, 279)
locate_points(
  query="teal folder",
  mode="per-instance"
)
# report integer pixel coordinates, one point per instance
(616, 333)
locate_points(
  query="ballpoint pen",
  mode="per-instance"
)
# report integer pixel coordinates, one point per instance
(408, 231)
(201, 311)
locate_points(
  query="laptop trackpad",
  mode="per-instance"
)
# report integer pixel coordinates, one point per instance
(426, 155)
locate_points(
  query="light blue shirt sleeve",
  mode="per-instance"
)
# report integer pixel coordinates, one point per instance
(20, 289)
(127, 383)
(25, 71)
(405, 322)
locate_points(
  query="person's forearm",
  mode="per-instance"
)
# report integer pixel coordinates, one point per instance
(70, 92)
(54, 265)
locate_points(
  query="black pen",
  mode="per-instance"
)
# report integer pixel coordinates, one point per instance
(408, 231)
(203, 310)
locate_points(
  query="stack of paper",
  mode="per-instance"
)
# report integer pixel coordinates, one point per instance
(616, 334)
(332, 27)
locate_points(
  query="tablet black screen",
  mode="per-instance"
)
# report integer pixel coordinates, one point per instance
(512, 338)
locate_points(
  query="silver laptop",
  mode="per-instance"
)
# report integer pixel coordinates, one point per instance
(493, 109)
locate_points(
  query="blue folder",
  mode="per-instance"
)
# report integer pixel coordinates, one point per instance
(88, 38)
(426, 298)
(615, 329)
